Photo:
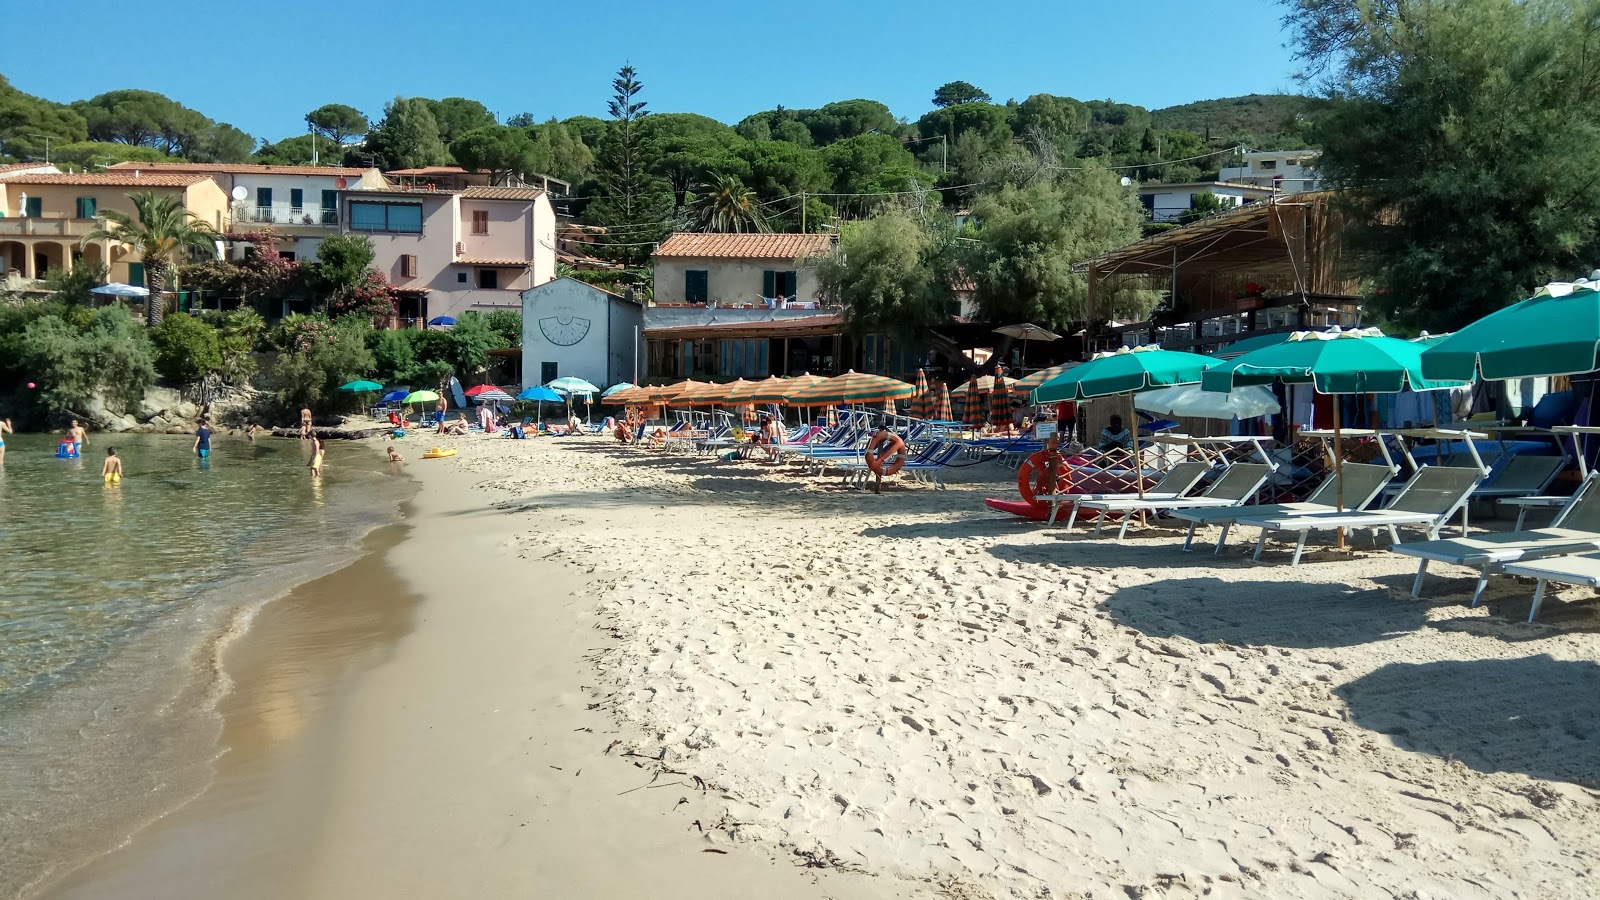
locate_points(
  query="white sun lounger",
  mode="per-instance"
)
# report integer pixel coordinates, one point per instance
(1177, 481)
(1429, 499)
(1576, 529)
(1236, 485)
(1362, 483)
(1583, 570)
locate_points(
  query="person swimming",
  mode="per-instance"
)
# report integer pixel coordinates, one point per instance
(111, 470)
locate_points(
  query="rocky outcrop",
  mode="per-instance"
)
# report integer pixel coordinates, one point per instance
(163, 410)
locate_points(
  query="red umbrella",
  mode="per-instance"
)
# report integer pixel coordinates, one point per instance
(477, 389)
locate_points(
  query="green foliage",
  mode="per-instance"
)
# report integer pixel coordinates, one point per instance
(1465, 136)
(319, 356)
(507, 324)
(873, 163)
(162, 230)
(456, 116)
(88, 154)
(890, 273)
(1028, 238)
(726, 205)
(408, 136)
(1262, 121)
(469, 342)
(1058, 120)
(238, 331)
(956, 93)
(72, 288)
(634, 201)
(394, 356)
(371, 298)
(1203, 204)
(149, 119)
(258, 281)
(501, 151)
(71, 357)
(569, 158)
(186, 349)
(26, 120)
(341, 266)
(337, 123)
(294, 151)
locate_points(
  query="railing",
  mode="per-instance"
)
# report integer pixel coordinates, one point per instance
(285, 215)
(47, 226)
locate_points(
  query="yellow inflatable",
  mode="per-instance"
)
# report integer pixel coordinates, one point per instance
(439, 453)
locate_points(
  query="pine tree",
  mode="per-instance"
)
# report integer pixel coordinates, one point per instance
(633, 204)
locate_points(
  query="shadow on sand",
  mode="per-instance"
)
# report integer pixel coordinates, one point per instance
(1251, 613)
(1536, 715)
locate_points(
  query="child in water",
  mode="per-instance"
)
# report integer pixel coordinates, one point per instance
(111, 471)
(395, 457)
(316, 456)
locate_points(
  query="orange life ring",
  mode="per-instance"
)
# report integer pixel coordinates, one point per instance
(893, 446)
(1034, 473)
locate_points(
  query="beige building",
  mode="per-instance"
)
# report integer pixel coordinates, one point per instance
(43, 217)
(731, 270)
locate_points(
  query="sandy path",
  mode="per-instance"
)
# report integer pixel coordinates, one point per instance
(910, 684)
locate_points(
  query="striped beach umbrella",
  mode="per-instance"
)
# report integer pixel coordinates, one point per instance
(662, 393)
(980, 385)
(1026, 385)
(920, 401)
(852, 387)
(940, 404)
(974, 409)
(1000, 403)
(769, 390)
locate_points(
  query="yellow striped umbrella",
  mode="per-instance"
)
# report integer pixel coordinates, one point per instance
(981, 384)
(698, 393)
(662, 393)
(1026, 385)
(852, 387)
(769, 390)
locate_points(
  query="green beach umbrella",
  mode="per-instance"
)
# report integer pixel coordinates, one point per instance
(1125, 371)
(357, 386)
(421, 397)
(1555, 332)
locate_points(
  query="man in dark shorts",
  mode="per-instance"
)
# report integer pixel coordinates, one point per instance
(202, 441)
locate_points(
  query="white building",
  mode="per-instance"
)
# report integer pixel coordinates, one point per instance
(738, 269)
(301, 203)
(570, 328)
(1287, 171)
(1170, 202)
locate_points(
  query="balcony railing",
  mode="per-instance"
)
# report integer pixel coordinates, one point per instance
(284, 215)
(42, 225)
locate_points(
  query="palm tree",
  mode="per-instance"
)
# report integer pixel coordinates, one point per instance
(163, 228)
(727, 205)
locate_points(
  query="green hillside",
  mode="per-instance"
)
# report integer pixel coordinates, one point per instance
(1265, 121)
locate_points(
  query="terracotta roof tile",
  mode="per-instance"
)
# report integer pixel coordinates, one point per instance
(744, 246)
(19, 167)
(236, 168)
(113, 179)
(481, 192)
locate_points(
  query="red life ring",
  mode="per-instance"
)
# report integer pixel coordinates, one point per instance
(893, 446)
(1034, 473)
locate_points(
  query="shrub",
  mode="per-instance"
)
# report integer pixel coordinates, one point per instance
(186, 348)
(394, 356)
(507, 323)
(318, 357)
(372, 299)
(110, 354)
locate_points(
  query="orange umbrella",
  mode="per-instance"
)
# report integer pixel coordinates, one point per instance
(697, 393)
(769, 390)
(852, 387)
(662, 393)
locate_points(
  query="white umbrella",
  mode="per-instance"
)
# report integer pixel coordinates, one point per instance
(1025, 332)
(1191, 400)
(118, 289)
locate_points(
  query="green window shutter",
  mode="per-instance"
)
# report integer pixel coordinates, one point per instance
(791, 287)
(769, 279)
(136, 274)
(84, 208)
(695, 286)
(264, 198)
(297, 199)
(35, 206)
(330, 199)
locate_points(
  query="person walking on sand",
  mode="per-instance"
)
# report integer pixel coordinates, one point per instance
(317, 448)
(305, 423)
(5, 429)
(202, 441)
(111, 470)
(78, 437)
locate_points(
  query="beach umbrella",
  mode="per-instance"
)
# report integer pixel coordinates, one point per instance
(980, 384)
(973, 409)
(398, 395)
(421, 397)
(360, 386)
(1027, 331)
(1027, 384)
(572, 385)
(539, 395)
(1127, 371)
(1353, 361)
(442, 321)
(1555, 332)
(1193, 400)
(477, 389)
(769, 390)
(665, 392)
(493, 395)
(919, 400)
(939, 409)
(851, 387)
(118, 289)
(1000, 403)
(617, 388)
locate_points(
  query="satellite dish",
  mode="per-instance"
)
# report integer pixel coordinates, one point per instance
(1126, 181)
(341, 183)
(240, 192)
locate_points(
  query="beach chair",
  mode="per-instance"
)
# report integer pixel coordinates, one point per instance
(1362, 484)
(1430, 499)
(1238, 483)
(930, 468)
(1581, 570)
(1576, 529)
(1522, 475)
(1179, 479)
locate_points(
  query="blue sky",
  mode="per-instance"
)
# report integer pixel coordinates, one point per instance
(263, 65)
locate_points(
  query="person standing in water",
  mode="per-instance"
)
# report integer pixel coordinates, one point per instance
(202, 441)
(111, 471)
(251, 432)
(317, 448)
(5, 429)
(305, 423)
(78, 437)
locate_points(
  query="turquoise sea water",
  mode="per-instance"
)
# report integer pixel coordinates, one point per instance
(114, 602)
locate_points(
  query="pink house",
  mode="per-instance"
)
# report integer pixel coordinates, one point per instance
(447, 252)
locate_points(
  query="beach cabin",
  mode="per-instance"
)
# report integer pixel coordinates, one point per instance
(570, 328)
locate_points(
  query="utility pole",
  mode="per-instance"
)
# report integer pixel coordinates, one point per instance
(944, 153)
(313, 146)
(802, 212)
(46, 146)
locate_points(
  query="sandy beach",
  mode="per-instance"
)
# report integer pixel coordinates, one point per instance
(630, 674)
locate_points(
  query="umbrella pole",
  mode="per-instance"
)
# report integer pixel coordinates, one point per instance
(1133, 425)
(1338, 458)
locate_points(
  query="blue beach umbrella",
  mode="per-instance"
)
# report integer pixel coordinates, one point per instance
(540, 395)
(445, 321)
(395, 396)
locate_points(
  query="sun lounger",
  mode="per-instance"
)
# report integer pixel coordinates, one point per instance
(1520, 476)
(1430, 499)
(1576, 529)
(1178, 480)
(1238, 483)
(1362, 483)
(1582, 570)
